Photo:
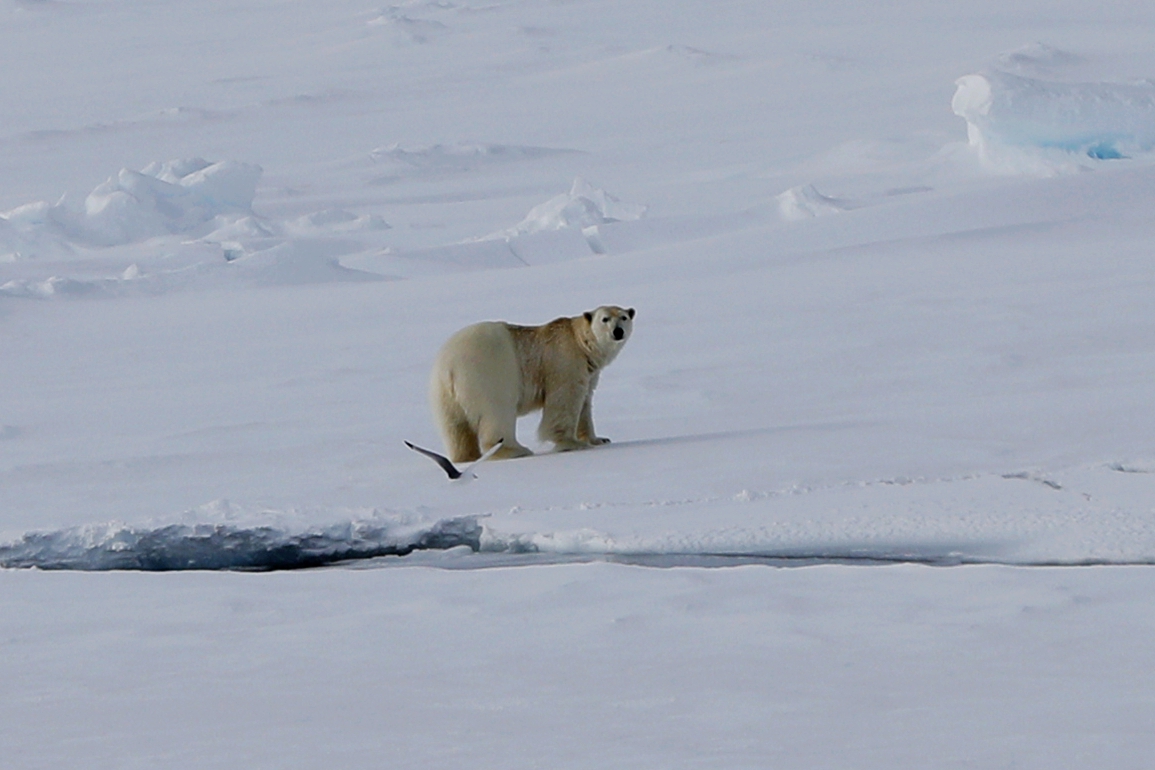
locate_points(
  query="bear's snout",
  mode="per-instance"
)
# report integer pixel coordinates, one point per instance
(619, 332)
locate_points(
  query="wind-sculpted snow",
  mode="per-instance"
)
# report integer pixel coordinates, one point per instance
(1099, 121)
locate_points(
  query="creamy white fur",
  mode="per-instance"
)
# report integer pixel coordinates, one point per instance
(490, 373)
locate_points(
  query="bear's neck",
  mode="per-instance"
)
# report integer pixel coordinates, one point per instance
(596, 358)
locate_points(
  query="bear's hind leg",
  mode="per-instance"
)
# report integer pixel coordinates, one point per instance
(459, 436)
(489, 432)
(461, 441)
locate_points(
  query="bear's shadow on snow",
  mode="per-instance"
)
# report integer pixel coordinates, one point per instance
(694, 438)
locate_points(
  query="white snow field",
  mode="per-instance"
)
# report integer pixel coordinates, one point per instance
(881, 492)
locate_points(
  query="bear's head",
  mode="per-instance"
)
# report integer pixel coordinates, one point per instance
(611, 326)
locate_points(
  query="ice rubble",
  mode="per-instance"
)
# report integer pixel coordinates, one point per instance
(1096, 121)
(207, 205)
(180, 196)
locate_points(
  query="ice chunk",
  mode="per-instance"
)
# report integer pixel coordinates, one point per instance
(173, 171)
(225, 185)
(1096, 120)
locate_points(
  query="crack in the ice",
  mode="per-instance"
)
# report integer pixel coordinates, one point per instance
(224, 547)
(216, 546)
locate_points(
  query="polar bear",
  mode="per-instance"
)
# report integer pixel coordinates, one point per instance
(489, 374)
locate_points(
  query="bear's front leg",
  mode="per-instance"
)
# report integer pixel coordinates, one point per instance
(585, 426)
(559, 418)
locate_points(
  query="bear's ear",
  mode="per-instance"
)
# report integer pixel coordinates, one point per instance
(589, 316)
(631, 313)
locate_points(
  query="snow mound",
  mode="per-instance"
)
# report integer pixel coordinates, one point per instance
(805, 202)
(1091, 121)
(582, 207)
(229, 546)
(177, 197)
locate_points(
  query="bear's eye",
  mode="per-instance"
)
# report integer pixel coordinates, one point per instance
(606, 320)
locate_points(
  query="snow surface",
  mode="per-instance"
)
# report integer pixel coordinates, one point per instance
(896, 331)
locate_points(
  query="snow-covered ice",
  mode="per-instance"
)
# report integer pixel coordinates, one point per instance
(881, 491)
(580, 665)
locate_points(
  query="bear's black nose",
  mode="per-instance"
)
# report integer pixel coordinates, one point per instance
(619, 332)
